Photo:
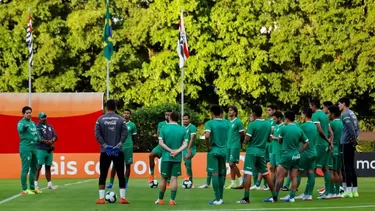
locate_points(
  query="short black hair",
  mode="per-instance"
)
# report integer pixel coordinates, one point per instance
(174, 116)
(273, 106)
(111, 105)
(216, 110)
(345, 100)
(278, 114)
(169, 110)
(188, 115)
(257, 110)
(234, 108)
(290, 115)
(24, 109)
(315, 102)
(334, 110)
(308, 112)
(327, 104)
(128, 110)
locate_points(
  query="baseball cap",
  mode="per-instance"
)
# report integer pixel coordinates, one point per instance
(41, 115)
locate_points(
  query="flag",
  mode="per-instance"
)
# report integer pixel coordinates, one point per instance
(108, 45)
(29, 40)
(182, 46)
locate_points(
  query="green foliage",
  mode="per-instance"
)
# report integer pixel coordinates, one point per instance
(366, 146)
(146, 120)
(242, 51)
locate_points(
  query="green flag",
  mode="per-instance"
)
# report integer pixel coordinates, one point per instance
(108, 45)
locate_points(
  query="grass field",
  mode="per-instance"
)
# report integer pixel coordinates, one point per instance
(81, 196)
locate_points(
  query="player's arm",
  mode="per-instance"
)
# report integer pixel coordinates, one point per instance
(161, 142)
(305, 142)
(124, 133)
(281, 135)
(330, 133)
(320, 130)
(21, 127)
(54, 138)
(242, 133)
(40, 136)
(183, 146)
(249, 134)
(98, 134)
(207, 133)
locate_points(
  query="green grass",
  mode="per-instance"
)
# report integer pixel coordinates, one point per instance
(82, 197)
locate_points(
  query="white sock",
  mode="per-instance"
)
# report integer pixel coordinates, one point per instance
(101, 194)
(49, 184)
(240, 180)
(122, 193)
(344, 185)
(36, 183)
(355, 189)
(233, 182)
(350, 189)
(347, 189)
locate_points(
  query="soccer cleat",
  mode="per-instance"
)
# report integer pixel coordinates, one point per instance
(110, 185)
(172, 202)
(322, 191)
(355, 195)
(285, 197)
(151, 178)
(124, 201)
(168, 185)
(269, 200)
(239, 187)
(37, 191)
(27, 192)
(289, 200)
(300, 196)
(100, 201)
(204, 186)
(37, 187)
(192, 185)
(243, 201)
(159, 201)
(266, 188)
(338, 196)
(285, 188)
(331, 196)
(52, 187)
(216, 202)
(324, 197)
(254, 187)
(347, 195)
(307, 198)
(231, 186)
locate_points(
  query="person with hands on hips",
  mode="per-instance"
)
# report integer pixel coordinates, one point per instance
(111, 132)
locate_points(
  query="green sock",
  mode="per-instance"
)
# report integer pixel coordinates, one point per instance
(255, 177)
(208, 180)
(247, 194)
(287, 184)
(275, 194)
(292, 194)
(222, 183)
(327, 182)
(191, 179)
(298, 181)
(111, 180)
(161, 195)
(264, 182)
(257, 183)
(173, 194)
(216, 186)
(337, 188)
(307, 188)
(189, 172)
(126, 180)
(333, 186)
(311, 182)
(152, 171)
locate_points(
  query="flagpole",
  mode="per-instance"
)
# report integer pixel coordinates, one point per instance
(29, 71)
(107, 79)
(182, 96)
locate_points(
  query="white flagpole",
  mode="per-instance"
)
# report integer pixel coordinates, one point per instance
(182, 96)
(29, 62)
(107, 79)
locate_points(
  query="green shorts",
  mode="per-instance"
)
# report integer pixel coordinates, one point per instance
(44, 157)
(289, 161)
(170, 169)
(268, 151)
(337, 162)
(324, 158)
(216, 162)
(233, 155)
(307, 163)
(158, 150)
(128, 155)
(255, 163)
(185, 153)
(275, 159)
